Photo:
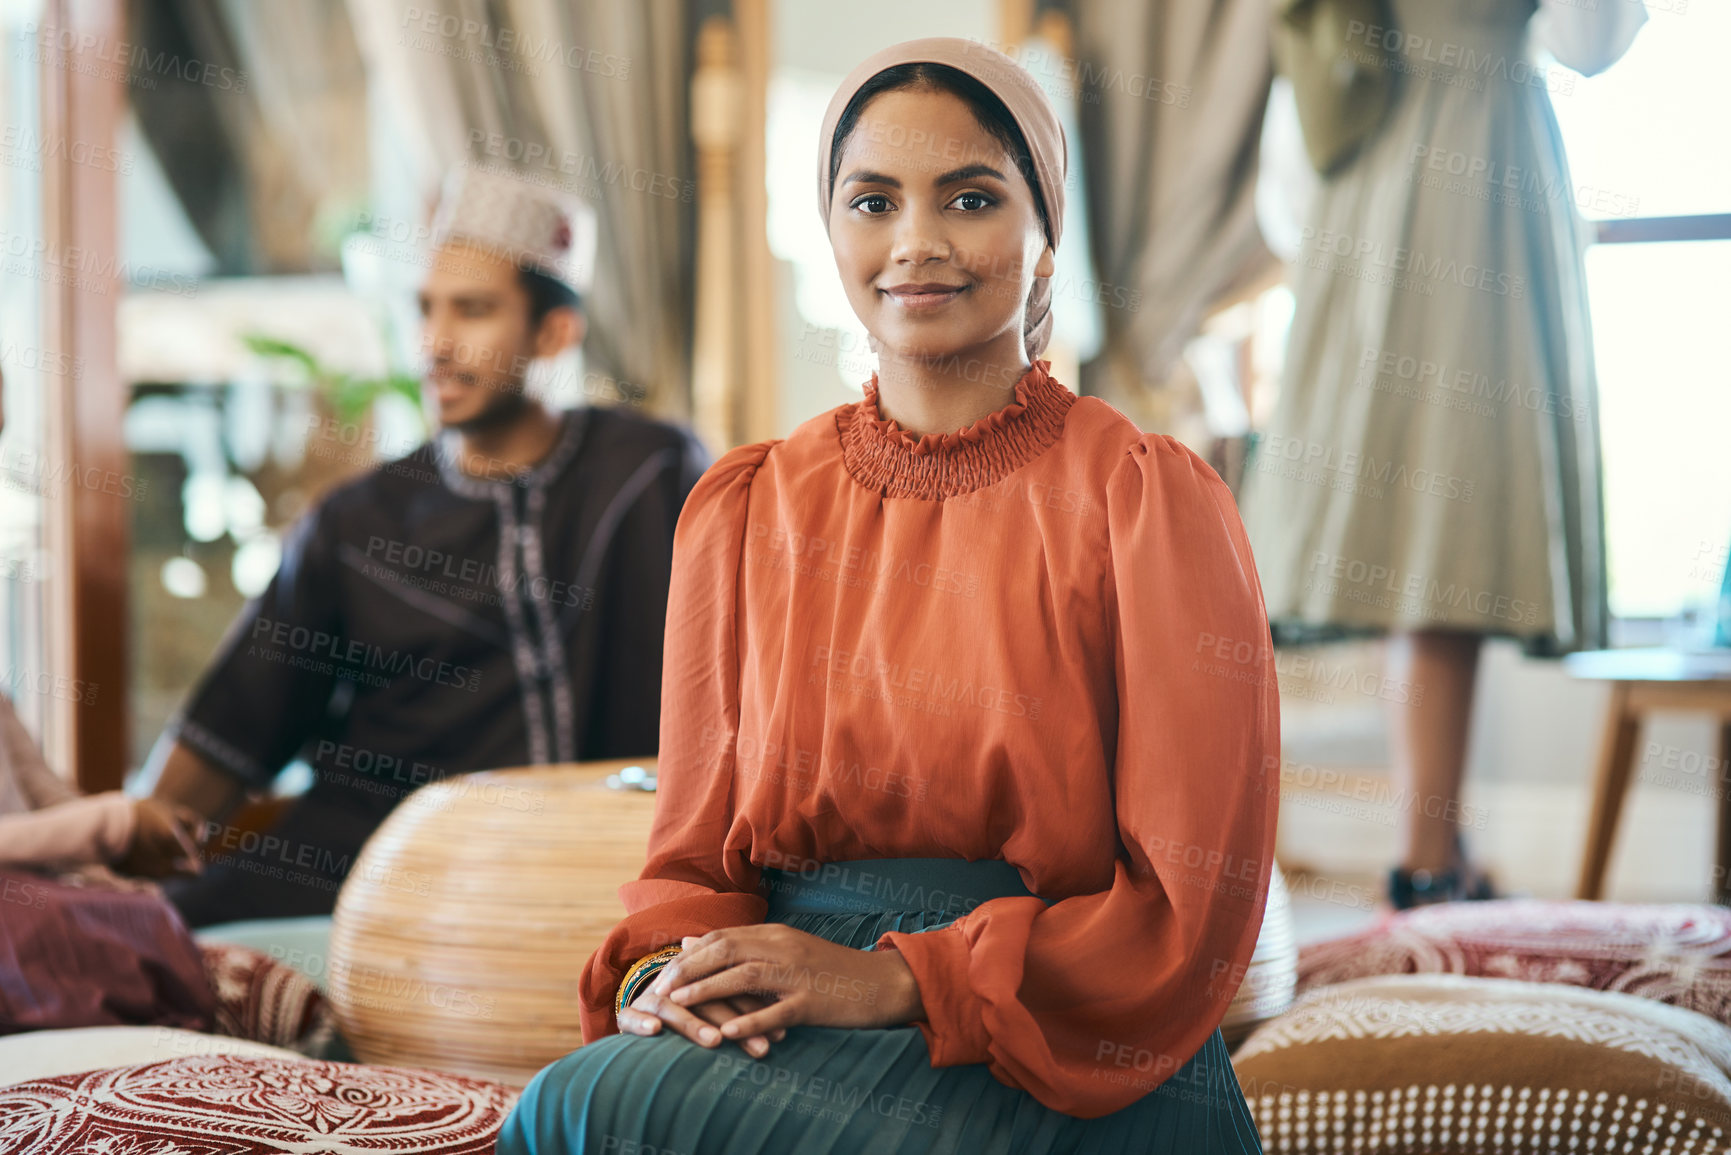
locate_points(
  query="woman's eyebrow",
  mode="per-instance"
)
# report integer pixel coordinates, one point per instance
(866, 176)
(966, 172)
(970, 172)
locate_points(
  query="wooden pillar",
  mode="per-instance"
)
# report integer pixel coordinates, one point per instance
(735, 393)
(89, 519)
(1054, 25)
(715, 119)
(759, 380)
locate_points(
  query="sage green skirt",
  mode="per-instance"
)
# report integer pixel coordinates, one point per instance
(829, 1091)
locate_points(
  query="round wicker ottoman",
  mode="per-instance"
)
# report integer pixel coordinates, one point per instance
(461, 932)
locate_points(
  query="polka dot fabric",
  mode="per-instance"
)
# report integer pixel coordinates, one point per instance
(1435, 1065)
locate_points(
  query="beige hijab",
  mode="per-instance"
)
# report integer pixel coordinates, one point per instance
(1028, 106)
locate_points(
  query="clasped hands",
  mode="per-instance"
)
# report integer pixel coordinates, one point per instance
(749, 984)
(165, 840)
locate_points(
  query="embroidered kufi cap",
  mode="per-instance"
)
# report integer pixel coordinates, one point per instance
(528, 224)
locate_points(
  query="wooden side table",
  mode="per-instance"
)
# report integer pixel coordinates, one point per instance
(1642, 681)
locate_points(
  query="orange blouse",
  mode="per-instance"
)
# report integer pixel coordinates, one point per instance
(1041, 639)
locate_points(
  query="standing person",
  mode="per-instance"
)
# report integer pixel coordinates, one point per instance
(495, 598)
(960, 823)
(1431, 472)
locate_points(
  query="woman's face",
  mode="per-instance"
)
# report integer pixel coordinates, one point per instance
(935, 231)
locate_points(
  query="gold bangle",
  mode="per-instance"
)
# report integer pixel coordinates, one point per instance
(657, 960)
(640, 974)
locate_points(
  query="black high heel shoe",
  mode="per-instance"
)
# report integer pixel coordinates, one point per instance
(1460, 883)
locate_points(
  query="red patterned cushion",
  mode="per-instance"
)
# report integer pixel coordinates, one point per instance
(266, 1001)
(1673, 954)
(228, 1105)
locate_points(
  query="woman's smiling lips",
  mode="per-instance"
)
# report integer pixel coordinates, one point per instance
(923, 294)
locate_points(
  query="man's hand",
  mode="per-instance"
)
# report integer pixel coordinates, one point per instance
(181, 776)
(162, 840)
(792, 977)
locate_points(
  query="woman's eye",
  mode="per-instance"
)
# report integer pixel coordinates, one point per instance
(972, 201)
(873, 204)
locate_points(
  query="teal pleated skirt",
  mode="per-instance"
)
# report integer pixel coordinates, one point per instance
(829, 1091)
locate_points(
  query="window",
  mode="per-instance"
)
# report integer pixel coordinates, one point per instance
(1646, 141)
(26, 477)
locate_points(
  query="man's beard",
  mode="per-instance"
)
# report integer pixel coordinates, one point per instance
(506, 409)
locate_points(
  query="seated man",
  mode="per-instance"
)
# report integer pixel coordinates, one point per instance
(495, 598)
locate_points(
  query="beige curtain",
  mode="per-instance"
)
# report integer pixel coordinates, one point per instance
(256, 114)
(595, 92)
(1171, 114)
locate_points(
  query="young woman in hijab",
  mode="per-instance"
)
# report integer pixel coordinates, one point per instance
(969, 728)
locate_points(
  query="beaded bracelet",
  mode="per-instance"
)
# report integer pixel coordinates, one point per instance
(641, 974)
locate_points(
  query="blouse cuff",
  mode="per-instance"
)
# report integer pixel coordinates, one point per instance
(954, 1024)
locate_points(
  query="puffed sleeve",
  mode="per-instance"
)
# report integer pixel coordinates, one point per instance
(269, 685)
(693, 882)
(1588, 38)
(1092, 1002)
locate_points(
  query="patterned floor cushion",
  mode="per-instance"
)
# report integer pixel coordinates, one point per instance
(234, 1105)
(1674, 954)
(44, 1054)
(1441, 1064)
(265, 1001)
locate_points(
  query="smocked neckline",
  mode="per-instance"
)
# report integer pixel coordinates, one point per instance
(884, 457)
